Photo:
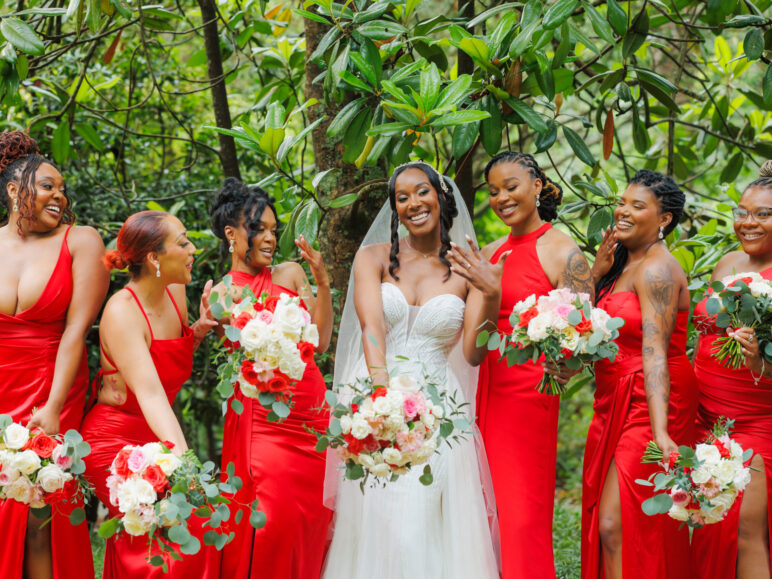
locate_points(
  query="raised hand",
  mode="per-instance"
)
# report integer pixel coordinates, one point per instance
(206, 321)
(474, 268)
(314, 260)
(604, 258)
(47, 419)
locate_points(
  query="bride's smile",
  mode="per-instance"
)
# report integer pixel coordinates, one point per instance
(417, 203)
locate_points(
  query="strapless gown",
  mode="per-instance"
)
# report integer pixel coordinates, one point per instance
(407, 530)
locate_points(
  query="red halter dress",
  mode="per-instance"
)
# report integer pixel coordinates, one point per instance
(279, 465)
(620, 429)
(733, 394)
(519, 427)
(29, 342)
(109, 428)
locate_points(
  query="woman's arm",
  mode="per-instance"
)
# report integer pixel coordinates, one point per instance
(90, 282)
(575, 273)
(658, 293)
(124, 335)
(369, 308)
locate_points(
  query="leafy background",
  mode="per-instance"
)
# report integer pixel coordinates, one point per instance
(152, 105)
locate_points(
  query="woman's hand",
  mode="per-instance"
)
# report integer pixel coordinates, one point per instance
(47, 419)
(750, 348)
(314, 260)
(666, 444)
(604, 258)
(560, 372)
(474, 268)
(206, 321)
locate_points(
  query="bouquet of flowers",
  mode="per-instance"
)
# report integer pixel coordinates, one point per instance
(562, 326)
(701, 483)
(385, 431)
(269, 341)
(741, 300)
(42, 471)
(157, 492)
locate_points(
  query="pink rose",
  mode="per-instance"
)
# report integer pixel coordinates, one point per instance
(680, 497)
(61, 460)
(410, 407)
(137, 460)
(564, 309)
(265, 316)
(409, 441)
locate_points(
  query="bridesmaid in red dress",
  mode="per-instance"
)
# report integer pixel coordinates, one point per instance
(518, 424)
(51, 289)
(147, 355)
(649, 392)
(739, 545)
(277, 462)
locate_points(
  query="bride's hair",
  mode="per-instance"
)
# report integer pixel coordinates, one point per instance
(448, 211)
(234, 201)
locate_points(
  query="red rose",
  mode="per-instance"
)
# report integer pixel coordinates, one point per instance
(584, 326)
(241, 320)
(527, 316)
(168, 444)
(355, 408)
(722, 449)
(248, 371)
(279, 383)
(67, 492)
(231, 346)
(378, 393)
(306, 350)
(566, 353)
(42, 445)
(371, 445)
(270, 303)
(156, 477)
(672, 459)
(259, 307)
(353, 445)
(121, 463)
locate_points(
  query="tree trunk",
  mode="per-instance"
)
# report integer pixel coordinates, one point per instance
(464, 166)
(222, 113)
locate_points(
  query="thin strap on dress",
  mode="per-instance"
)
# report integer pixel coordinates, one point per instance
(176, 309)
(141, 309)
(115, 368)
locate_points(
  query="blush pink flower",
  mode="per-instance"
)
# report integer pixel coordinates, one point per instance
(680, 497)
(563, 310)
(414, 405)
(410, 441)
(137, 460)
(265, 316)
(710, 489)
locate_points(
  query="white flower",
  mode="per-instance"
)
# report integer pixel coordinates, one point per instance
(719, 506)
(525, 304)
(345, 424)
(26, 461)
(366, 460)
(404, 383)
(288, 319)
(678, 513)
(382, 406)
(20, 490)
(438, 411)
(759, 289)
(8, 475)
(37, 498)
(701, 475)
(382, 470)
(311, 334)
(168, 462)
(15, 436)
(600, 319)
(392, 456)
(360, 428)
(724, 472)
(569, 338)
(708, 454)
(249, 390)
(133, 493)
(253, 334)
(134, 524)
(741, 478)
(52, 478)
(537, 327)
(428, 420)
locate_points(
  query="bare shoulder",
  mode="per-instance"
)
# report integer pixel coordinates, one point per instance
(562, 246)
(84, 238)
(659, 267)
(488, 251)
(372, 255)
(287, 269)
(121, 312)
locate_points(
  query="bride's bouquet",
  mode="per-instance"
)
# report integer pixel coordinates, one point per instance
(269, 341)
(741, 300)
(157, 493)
(701, 484)
(40, 470)
(563, 327)
(385, 431)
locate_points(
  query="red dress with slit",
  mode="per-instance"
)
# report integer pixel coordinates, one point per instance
(652, 546)
(734, 394)
(279, 465)
(29, 342)
(109, 428)
(520, 428)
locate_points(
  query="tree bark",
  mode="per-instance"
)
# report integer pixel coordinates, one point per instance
(222, 113)
(465, 167)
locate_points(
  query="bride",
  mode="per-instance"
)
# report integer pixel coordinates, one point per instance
(419, 297)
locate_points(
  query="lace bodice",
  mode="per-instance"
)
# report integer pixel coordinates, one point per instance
(424, 334)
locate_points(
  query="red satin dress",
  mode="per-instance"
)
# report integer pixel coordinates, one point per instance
(278, 464)
(109, 428)
(734, 394)
(29, 342)
(520, 428)
(620, 429)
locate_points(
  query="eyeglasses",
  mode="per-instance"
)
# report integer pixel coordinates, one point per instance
(760, 214)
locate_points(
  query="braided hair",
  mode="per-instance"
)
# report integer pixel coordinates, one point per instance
(671, 200)
(765, 177)
(234, 201)
(551, 193)
(448, 212)
(19, 162)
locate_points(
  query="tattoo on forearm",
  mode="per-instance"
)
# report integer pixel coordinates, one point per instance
(577, 275)
(657, 333)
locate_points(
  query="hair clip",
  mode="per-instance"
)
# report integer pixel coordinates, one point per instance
(443, 184)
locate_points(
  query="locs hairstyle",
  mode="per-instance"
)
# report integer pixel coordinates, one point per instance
(448, 212)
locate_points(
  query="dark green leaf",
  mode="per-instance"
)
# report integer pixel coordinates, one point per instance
(599, 24)
(343, 201)
(545, 140)
(89, 134)
(345, 116)
(558, 13)
(530, 116)
(458, 117)
(754, 44)
(490, 128)
(312, 16)
(617, 17)
(767, 85)
(372, 55)
(732, 169)
(579, 147)
(21, 35)
(60, 142)
(77, 516)
(464, 137)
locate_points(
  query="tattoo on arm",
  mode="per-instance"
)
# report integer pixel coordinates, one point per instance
(657, 330)
(577, 275)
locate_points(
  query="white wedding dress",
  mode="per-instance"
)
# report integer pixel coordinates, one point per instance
(406, 530)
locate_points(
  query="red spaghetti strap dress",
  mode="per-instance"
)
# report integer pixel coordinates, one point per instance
(519, 427)
(109, 428)
(734, 394)
(620, 429)
(278, 465)
(29, 342)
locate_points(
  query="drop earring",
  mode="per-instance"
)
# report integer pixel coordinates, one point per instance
(538, 203)
(158, 270)
(15, 204)
(230, 247)
(661, 232)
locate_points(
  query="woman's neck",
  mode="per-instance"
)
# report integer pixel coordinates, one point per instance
(531, 224)
(639, 251)
(760, 262)
(425, 244)
(149, 289)
(242, 266)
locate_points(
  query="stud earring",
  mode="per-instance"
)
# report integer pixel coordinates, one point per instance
(158, 270)
(661, 232)
(230, 248)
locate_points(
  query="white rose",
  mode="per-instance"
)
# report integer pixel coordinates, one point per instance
(168, 462)
(8, 475)
(569, 338)
(708, 454)
(249, 390)
(741, 478)
(345, 424)
(288, 319)
(366, 460)
(381, 470)
(52, 478)
(701, 475)
(382, 406)
(360, 429)
(392, 456)
(600, 320)
(438, 411)
(724, 472)
(252, 335)
(428, 420)
(759, 289)
(537, 327)
(395, 422)
(20, 490)
(151, 450)
(134, 524)
(311, 334)
(133, 493)
(404, 383)
(524, 305)
(735, 450)
(678, 513)
(26, 462)
(15, 436)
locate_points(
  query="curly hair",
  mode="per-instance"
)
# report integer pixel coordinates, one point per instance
(19, 161)
(551, 193)
(235, 201)
(765, 177)
(448, 212)
(671, 200)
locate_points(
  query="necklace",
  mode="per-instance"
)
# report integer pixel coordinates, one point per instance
(432, 253)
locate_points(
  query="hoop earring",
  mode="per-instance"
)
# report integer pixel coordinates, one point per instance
(661, 232)
(230, 247)
(158, 270)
